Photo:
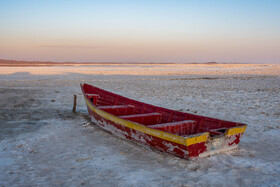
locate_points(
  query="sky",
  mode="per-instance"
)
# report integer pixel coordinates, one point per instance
(243, 31)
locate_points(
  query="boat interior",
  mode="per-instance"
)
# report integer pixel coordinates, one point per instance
(175, 122)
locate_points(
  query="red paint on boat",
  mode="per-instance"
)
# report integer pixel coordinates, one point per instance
(183, 134)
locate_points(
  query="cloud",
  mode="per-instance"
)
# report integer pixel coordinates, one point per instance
(71, 46)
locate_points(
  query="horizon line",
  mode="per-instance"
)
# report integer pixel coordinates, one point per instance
(122, 62)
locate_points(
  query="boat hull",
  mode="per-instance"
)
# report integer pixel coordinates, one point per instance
(181, 134)
(199, 148)
(119, 130)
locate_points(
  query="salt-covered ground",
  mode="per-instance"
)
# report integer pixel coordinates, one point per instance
(43, 143)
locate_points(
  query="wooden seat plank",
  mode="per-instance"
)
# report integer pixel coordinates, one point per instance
(185, 127)
(144, 119)
(118, 110)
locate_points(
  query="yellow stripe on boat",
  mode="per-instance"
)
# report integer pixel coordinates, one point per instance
(157, 133)
(236, 130)
(197, 139)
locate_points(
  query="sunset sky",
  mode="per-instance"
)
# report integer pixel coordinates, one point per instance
(141, 31)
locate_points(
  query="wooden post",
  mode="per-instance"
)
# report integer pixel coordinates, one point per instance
(75, 103)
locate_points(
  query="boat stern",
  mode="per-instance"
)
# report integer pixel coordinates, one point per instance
(229, 140)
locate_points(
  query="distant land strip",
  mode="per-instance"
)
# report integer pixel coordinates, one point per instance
(17, 63)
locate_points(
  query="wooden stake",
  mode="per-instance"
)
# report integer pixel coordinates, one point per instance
(75, 103)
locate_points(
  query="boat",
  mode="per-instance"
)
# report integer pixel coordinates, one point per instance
(182, 134)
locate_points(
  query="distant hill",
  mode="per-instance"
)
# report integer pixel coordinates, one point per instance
(17, 63)
(26, 63)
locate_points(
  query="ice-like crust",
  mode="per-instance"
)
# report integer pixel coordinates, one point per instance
(44, 144)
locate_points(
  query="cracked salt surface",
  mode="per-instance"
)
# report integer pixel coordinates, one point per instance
(43, 143)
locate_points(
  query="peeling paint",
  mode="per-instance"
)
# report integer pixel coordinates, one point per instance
(194, 145)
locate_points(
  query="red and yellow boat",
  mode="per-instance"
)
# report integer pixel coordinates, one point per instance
(182, 134)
